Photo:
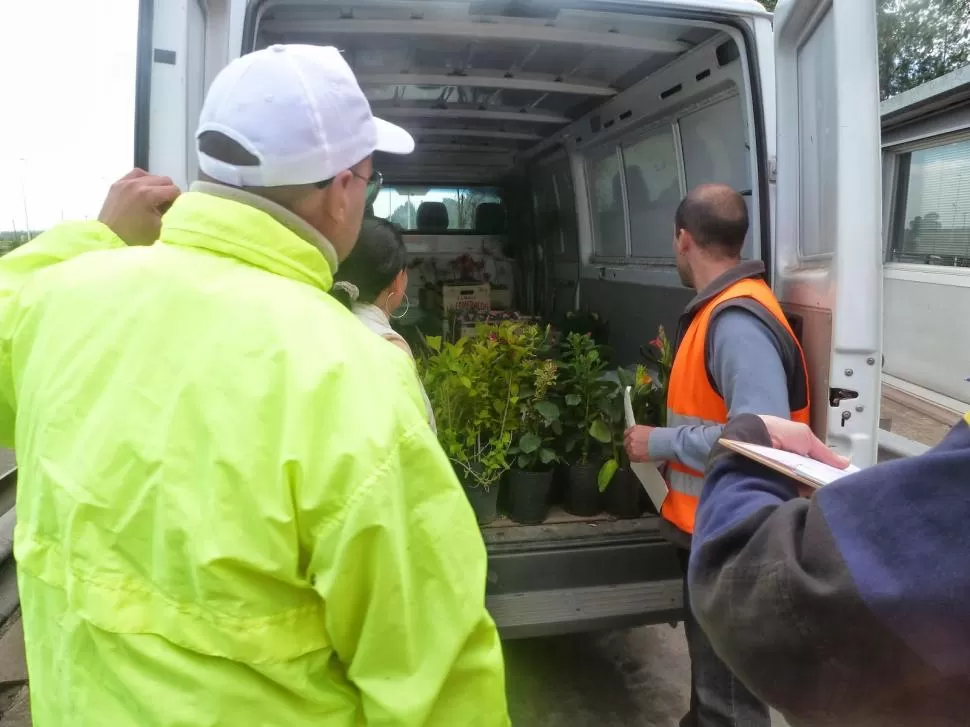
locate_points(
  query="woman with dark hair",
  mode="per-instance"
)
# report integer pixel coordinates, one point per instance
(372, 282)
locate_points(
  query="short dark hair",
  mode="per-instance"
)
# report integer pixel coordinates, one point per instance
(716, 217)
(378, 257)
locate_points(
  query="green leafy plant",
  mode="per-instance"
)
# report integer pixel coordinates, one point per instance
(586, 399)
(586, 321)
(475, 386)
(540, 420)
(643, 389)
(648, 398)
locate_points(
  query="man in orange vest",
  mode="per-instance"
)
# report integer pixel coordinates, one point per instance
(736, 354)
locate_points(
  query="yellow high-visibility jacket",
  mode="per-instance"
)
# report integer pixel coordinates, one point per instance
(231, 509)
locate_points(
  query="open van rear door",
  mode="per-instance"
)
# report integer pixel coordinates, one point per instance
(827, 261)
(182, 44)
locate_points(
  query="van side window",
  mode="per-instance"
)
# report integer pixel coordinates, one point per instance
(607, 202)
(654, 190)
(716, 147)
(637, 180)
(931, 220)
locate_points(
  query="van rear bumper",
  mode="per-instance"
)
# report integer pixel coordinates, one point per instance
(568, 577)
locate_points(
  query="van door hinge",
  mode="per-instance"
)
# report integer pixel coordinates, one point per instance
(773, 169)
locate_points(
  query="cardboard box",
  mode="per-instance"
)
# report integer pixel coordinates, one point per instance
(476, 296)
(501, 298)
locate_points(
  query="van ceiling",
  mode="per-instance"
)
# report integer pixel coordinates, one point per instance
(476, 83)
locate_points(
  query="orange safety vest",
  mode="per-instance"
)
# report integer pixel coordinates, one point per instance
(692, 400)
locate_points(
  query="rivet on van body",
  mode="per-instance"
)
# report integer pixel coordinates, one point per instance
(871, 361)
(849, 372)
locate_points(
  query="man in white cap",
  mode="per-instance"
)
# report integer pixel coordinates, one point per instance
(231, 511)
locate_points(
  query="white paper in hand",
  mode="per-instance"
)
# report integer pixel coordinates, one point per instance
(647, 472)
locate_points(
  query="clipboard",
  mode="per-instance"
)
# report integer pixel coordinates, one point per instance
(809, 472)
(647, 472)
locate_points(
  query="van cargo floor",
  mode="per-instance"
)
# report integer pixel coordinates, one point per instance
(561, 526)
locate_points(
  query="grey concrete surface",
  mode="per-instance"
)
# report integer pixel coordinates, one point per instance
(16, 708)
(633, 678)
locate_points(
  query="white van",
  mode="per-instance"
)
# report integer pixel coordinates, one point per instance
(588, 120)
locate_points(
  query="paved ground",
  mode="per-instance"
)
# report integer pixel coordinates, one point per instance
(912, 424)
(614, 679)
(634, 678)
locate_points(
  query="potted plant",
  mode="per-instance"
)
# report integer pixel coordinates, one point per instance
(585, 396)
(621, 488)
(534, 455)
(470, 430)
(474, 390)
(660, 357)
(591, 322)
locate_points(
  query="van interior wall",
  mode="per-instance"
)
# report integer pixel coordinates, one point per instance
(635, 287)
(634, 312)
(490, 90)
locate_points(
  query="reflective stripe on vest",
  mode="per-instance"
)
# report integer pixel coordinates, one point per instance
(691, 400)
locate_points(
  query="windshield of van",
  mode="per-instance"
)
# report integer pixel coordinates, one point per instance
(442, 209)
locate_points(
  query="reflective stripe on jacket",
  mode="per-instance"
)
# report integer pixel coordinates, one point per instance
(231, 509)
(692, 398)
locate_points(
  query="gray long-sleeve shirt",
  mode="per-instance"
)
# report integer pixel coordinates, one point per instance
(746, 363)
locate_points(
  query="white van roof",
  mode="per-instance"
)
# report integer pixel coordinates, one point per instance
(744, 7)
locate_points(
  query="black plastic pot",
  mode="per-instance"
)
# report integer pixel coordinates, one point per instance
(622, 496)
(529, 495)
(560, 483)
(582, 492)
(484, 501)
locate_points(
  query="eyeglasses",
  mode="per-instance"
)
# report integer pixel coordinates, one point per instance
(374, 183)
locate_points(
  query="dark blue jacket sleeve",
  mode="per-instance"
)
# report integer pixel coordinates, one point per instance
(849, 608)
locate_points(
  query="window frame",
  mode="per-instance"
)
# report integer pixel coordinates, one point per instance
(498, 191)
(590, 157)
(894, 198)
(631, 137)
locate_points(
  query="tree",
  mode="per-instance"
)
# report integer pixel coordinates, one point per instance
(920, 40)
(462, 207)
(405, 216)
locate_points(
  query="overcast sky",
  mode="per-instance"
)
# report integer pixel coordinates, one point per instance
(67, 91)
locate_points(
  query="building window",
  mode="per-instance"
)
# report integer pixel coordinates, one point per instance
(931, 223)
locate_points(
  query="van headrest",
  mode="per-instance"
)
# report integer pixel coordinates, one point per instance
(490, 218)
(432, 217)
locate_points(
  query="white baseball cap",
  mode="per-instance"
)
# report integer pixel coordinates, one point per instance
(300, 111)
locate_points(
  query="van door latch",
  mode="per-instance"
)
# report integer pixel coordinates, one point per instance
(837, 396)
